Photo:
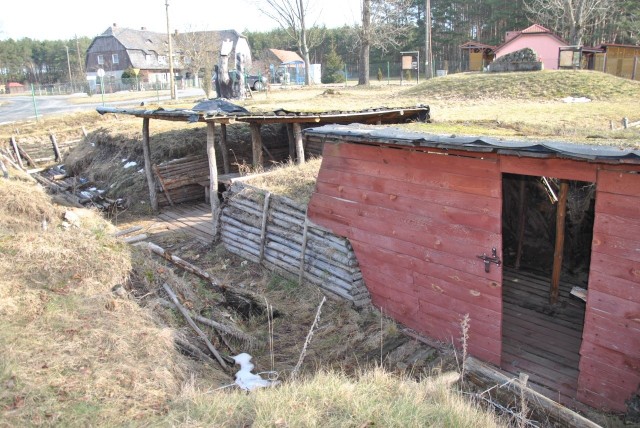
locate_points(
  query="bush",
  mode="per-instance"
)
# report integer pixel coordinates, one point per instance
(379, 74)
(333, 67)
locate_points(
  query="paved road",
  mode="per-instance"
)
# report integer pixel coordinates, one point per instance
(18, 108)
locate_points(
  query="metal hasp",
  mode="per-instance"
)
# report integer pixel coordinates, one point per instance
(490, 259)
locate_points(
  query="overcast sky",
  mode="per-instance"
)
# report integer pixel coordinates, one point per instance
(64, 19)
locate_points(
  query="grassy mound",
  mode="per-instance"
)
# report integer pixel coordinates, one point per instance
(542, 85)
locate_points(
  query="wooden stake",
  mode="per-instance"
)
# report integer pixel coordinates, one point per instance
(56, 149)
(17, 152)
(297, 133)
(558, 253)
(26, 156)
(213, 178)
(256, 140)
(5, 173)
(521, 222)
(146, 149)
(223, 148)
(303, 250)
(193, 325)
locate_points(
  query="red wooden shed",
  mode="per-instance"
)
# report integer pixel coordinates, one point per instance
(510, 233)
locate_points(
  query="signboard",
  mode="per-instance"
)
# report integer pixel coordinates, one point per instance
(407, 62)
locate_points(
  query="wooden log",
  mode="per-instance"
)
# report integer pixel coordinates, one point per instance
(136, 238)
(183, 264)
(5, 173)
(84, 132)
(507, 390)
(559, 247)
(232, 223)
(263, 226)
(303, 248)
(213, 179)
(297, 134)
(256, 144)
(194, 351)
(56, 149)
(244, 206)
(146, 149)
(17, 152)
(127, 231)
(164, 187)
(26, 156)
(193, 325)
(226, 167)
(239, 249)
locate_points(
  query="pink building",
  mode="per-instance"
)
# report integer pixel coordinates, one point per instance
(541, 40)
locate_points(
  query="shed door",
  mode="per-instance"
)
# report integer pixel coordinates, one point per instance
(418, 222)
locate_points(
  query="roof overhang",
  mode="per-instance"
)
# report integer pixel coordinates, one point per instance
(387, 136)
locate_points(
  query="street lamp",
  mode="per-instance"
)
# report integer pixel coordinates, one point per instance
(69, 67)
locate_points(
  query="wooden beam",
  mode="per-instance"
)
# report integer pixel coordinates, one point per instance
(256, 140)
(297, 133)
(213, 177)
(505, 389)
(292, 141)
(164, 187)
(146, 150)
(223, 148)
(559, 250)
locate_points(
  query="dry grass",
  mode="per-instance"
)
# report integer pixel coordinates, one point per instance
(333, 399)
(296, 182)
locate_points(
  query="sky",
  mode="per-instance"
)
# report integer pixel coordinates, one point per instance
(64, 19)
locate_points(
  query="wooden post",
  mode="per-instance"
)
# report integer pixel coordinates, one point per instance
(635, 68)
(521, 222)
(213, 177)
(223, 148)
(297, 132)
(84, 132)
(164, 187)
(56, 149)
(146, 150)
(256, 140)
(558, 253)
(292, 141)
(17, 152)
(5, 173)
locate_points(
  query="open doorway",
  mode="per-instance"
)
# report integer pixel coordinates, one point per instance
(545, 274)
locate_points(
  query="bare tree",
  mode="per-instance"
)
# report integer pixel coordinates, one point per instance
(199, 51)
(384, 26)
(572, 17)
(291, 15)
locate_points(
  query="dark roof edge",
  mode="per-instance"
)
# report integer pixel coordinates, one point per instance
(389, 136)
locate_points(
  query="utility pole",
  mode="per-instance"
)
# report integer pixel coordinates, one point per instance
(428, 66)
(69, 67)
(171, 82)
(80, 61)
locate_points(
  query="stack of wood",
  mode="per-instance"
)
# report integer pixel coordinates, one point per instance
(178, 179)
(274, 231)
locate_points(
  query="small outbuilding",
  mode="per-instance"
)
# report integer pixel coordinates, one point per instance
(537, 245)
(536, 37)
(15, 88)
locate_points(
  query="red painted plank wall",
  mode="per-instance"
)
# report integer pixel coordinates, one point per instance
(417, 221)
(610, 352)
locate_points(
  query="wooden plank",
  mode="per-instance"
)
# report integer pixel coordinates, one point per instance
(434, 179)
(164, 187)
(619, 182)
(405, 204)
(612, 225)
(614, 333)
(615, 266)
(428, 230)
(213, 178)
(626, 381)
(605, 399)
(565, 169)
(615, 286)
(513, 342)
(410, 159)
(542, 370)
(527, 318)
(618, 205)
(489, 206)
(610, 357)
(612, 305)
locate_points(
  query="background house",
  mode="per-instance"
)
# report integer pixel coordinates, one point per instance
(118, 49)
(619, 60)
(545, 43)
(479, 55)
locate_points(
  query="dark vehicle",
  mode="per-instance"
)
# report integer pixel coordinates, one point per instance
(254, 81)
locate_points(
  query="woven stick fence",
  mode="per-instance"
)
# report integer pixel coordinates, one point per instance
(274, 231)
